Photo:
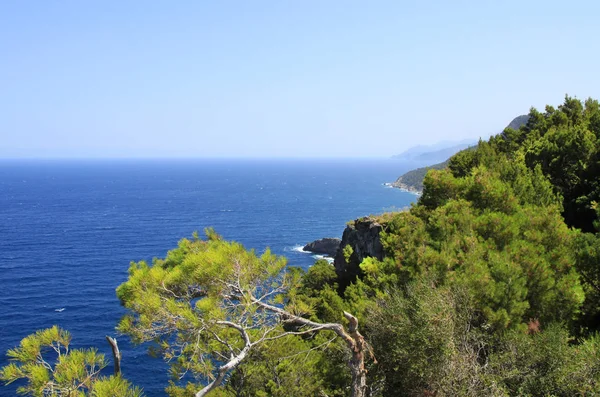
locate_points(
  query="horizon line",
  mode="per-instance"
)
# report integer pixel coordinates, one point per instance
(75, 158)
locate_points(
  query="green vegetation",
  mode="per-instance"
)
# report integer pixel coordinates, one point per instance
(49, 368)
(211, 305)
(489, 286)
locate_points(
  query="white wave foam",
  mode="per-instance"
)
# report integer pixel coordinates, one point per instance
(327, 258)
(298, 248)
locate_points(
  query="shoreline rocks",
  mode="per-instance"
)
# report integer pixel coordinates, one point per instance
(325, 246)
(406, 188)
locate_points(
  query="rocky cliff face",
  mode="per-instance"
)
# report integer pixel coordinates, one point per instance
(362, 236)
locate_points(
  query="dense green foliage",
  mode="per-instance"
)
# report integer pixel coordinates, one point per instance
(506, 228)
(489, 286)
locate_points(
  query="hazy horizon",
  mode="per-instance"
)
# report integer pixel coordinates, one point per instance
(420, 148)
(183, 158)
(260, 80)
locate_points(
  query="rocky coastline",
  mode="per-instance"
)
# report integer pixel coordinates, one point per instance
(407, 188)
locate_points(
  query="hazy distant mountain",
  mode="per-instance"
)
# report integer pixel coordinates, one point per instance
(443, 154)
(430, 154)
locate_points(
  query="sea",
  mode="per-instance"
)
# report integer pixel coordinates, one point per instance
(70, 228)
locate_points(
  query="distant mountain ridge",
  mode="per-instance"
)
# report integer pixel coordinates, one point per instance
(412, 181)
(428, 154)
(442, 154)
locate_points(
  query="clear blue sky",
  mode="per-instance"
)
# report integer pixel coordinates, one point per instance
(281, 78)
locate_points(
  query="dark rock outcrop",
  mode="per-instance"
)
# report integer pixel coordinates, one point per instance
(325, 246)
(363, 236)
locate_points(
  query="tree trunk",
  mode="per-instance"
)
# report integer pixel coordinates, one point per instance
(116, 354)
(223, 371)
(358, 346)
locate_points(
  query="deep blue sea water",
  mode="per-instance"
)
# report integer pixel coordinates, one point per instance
(68, 230)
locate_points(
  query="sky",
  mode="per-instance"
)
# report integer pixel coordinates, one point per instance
(281, 78)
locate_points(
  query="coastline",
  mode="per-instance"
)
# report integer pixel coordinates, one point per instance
(405, 188)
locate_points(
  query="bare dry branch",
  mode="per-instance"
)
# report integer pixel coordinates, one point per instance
(116, 354)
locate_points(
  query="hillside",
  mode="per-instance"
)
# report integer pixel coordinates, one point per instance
(518, 122)
(412, 181)
(502, 251)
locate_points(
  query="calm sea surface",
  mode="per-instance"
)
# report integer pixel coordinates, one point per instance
(68, 230)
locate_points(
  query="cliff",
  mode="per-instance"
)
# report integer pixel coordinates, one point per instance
(362, 236)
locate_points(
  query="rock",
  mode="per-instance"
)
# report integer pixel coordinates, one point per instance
(363, 236)
(325, 246)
